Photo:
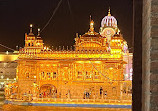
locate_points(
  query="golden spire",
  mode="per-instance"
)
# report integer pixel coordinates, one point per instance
(31, 33)
(118, 32)
(31, 28)
(38, 31)
(90, 17)
(109, 14)
(91, 29)
(76, 35)
(91, 25)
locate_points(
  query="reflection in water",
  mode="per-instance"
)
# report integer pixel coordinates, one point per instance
(51, 108)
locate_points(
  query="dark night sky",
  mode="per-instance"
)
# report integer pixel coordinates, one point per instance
(16, 15)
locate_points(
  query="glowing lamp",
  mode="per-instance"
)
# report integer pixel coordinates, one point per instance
(31, 25)
(110, 68)
(2, 77)
(7, 52)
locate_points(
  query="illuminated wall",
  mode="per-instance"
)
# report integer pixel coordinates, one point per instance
(98, 61)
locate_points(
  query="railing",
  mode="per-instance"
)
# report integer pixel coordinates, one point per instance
(58, 100)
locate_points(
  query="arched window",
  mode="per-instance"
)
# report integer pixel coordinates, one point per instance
(96, 75)
(114, 91)
(28, 44)
(27, 75)
(88, 75)
(54, 74)
(42, 74)
(79, 74)
(48, 74)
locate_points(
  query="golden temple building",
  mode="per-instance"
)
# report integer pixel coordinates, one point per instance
(93, 71)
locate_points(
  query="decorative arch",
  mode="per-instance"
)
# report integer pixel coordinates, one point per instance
(90, 44)
(48, 90)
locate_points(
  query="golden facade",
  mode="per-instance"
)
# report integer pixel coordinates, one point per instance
(93, 70)
(7, 67)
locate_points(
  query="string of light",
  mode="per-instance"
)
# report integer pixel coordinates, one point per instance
(52, 15)
(91, 63)
(86, 52)
(7, 47)
(97, 69)
(81, 44)
(43, 27)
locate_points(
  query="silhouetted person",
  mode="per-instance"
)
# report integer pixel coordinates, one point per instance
(101, 91)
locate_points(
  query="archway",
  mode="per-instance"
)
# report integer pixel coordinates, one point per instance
(48, 91)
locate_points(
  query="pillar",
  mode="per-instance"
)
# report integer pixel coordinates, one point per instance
(150, 56)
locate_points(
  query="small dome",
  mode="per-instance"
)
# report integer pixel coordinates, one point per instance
(39, 38)
(91, 35)
(31, 34)
(109, 21)
(117, 35)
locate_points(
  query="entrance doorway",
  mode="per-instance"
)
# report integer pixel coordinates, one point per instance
(48, 91)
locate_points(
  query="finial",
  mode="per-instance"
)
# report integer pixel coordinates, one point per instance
(67, 47)
(76, 35)
(59, 48)
(63, 47)
(31, 25)
(91, 25)
(118, 32)
(31, 28)
(38, 31)
(17, 47)
(71, 48)
(109, 14)
(90, 17)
